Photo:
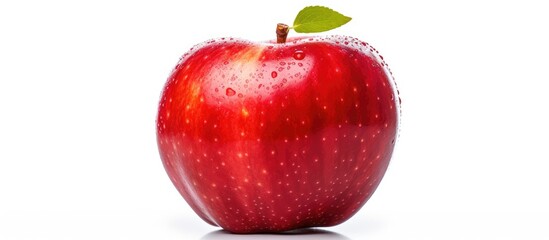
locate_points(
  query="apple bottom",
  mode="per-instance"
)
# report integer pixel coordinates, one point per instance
(251, 186)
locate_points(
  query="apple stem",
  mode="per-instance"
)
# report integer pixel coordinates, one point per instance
(282, 32)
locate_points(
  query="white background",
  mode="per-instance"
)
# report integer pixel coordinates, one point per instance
(80, 81)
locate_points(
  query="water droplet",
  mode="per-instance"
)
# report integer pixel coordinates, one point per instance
(274, 74)
(216, 90)
(300, 64)
(299, 55)
(282, 63)
(230, 92)
(260, 85)
(240, 95)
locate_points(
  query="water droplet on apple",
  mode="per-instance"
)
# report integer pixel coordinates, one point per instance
(230, 92)
(282, 63)
(260, 85)
(216, 90)
(299, 55)
(300, 64)
(274, 74)
(226, 62)
(240, 95)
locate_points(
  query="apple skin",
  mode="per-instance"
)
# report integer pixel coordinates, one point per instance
(267, 137)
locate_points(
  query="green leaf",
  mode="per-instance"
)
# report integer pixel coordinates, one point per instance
(315, 19)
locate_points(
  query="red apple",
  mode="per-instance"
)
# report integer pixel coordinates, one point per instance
(269, 137)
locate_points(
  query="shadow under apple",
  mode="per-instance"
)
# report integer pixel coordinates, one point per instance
(302, 234)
